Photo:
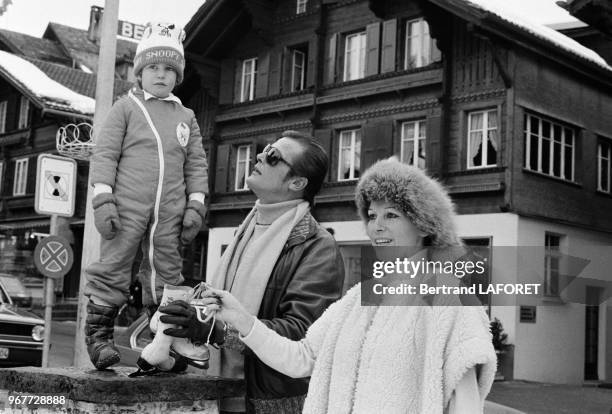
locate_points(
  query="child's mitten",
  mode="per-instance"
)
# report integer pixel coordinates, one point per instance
(192, 221)
(106, 218)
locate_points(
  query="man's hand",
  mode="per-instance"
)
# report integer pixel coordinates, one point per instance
(106, 217)
(192, 220)
(184, 315)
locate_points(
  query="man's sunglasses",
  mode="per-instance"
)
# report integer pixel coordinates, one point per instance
(273, 156)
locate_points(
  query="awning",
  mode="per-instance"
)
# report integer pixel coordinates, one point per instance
(24, 224)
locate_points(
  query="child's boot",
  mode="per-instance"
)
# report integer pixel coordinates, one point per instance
(99, 328)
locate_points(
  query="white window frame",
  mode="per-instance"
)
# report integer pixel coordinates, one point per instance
(552, 264)
(246, 161)
(418, 139)
(249, 71)
(24, 113)
(427, 52)
(565, 143)
(20, 178)
(484, 137)
(301, 6)
(604, 156)
(3, 109)
(355, 56)
(298, 70)
(354, 145)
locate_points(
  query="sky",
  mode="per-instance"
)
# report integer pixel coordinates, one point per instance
(32, 16)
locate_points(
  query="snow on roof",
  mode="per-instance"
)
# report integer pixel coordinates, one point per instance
(40, 85)
(510, 13)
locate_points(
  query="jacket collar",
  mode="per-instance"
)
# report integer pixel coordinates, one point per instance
(303, 230)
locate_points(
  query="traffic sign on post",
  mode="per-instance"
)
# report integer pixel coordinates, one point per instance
(53, 257)
(55, 185)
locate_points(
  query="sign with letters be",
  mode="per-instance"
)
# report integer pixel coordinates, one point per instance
(55, 185)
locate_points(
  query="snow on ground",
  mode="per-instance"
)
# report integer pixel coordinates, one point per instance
(39, 84)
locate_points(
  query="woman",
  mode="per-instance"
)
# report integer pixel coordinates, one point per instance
(387, 359)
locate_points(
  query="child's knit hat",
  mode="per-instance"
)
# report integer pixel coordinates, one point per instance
(161, 43)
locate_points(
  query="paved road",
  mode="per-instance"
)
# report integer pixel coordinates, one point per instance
(538, 398)
(61, 353)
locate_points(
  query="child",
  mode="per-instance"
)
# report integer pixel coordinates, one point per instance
(149, 173)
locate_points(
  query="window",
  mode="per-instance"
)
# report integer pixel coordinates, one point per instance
(552, 264)
(21, 176)
(604, 155)
(354, 56)
(301, 6)
(483, 139)
(413, 143)
(249, 74)
(243, 160)
(3, 106)
(1, 176)
(24, 109)
(549, 147)
(420, 48)
(298, 70)
(349, 155)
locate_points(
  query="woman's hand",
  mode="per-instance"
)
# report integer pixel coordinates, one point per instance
(230, 310)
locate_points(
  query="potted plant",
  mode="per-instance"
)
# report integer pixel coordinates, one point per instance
(504, 351)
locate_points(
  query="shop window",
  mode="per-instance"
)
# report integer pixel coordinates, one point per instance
(552, 261)
(301, 6)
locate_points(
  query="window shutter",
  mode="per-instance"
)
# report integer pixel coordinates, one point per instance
(263, 68)
(324, 137)
(389, 46)
(311, 71)
(330, 63)
(372, 49)
(434, 151)
(287, 62)
(237, 80)
(274, 79)
(226, 84)
(221, 170)
(376, 142)
(31, 174)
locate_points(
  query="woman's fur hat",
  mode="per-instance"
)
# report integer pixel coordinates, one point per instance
(421, 198)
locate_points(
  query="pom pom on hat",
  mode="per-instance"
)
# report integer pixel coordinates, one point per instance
(161, 43)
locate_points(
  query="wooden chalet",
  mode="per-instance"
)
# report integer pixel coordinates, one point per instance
(511, 116)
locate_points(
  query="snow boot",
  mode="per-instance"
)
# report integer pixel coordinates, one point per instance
(99, 328)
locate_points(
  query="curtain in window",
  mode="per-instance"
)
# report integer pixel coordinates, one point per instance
(476, 121)
(492, 129)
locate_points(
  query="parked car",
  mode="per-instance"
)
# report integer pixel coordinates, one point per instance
(21, 334)
(16, 290)
(131, 340)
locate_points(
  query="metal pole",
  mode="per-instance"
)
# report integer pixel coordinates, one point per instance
(104, 100)
(49, 292)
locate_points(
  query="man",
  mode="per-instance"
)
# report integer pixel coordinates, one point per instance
(283, 267)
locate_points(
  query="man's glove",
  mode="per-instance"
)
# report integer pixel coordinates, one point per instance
(184, 315)
(106, 218)
(192, 221)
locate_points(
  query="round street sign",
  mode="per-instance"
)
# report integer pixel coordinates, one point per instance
(53, 257)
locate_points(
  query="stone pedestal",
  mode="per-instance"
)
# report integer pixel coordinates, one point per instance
(90, 391)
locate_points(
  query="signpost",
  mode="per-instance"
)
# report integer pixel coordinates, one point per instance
(53, 256)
